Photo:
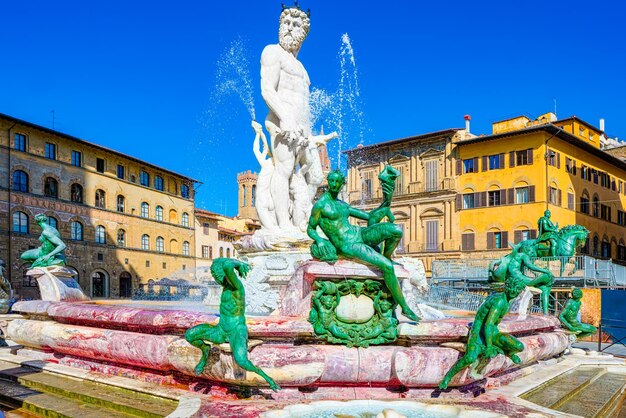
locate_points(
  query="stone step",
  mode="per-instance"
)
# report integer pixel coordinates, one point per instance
(27, 402)
(559, 389)
(598, 399)
(83, 392)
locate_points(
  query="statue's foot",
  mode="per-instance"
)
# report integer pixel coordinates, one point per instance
(199, 368)
(274, 386)
(411, 315)
(515, 358)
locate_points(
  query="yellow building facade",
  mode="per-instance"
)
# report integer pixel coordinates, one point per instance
(124, 221)
(507, 180)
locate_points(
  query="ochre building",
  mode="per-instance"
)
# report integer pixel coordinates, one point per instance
(507, 180)
(124, 221)
(467, 196)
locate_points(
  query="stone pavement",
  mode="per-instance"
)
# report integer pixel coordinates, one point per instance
(617, 350)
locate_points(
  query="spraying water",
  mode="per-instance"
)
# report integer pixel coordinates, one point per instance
(233, 76)
(341, 110)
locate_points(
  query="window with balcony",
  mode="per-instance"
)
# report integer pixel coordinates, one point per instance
(431, 169)
(432, 235)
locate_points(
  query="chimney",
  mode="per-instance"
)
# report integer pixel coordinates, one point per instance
(467, 123)
(602, 124)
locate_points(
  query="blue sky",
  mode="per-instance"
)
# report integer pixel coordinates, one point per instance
(140, 77)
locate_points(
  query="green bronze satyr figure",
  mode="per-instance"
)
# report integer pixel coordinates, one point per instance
(569, 316)
(52, 250)
(231, 327)
(511, 267)
(352, 241)
(485, 341)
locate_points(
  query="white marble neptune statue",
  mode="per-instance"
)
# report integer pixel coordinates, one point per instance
(293, 172)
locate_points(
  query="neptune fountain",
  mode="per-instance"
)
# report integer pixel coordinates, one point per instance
(345, 325)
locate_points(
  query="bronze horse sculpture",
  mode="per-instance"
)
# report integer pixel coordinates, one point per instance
(569, 238)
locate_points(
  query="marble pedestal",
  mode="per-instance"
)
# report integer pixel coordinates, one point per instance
(57, 284)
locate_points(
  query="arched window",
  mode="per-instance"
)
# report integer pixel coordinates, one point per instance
(159, 213)
(596, 206)
(145, 210)
(253, 195)
(185, 248)
(76, 193)
(121, 203)
(596, 244)
(51, 187)
(121, 238)
(243, 191)
(160, 244)
(221, 252)
(605, 249)
(228, 252)
(20, 222)
(145, 242)
(101, 236)
(100, 198)
(184, 191)
(76, 231)
(20, 181)
(52, 221)
(99, 285)
(185, 219)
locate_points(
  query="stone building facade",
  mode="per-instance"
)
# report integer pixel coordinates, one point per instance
(125, 221)
(215, 235)
(424, 199)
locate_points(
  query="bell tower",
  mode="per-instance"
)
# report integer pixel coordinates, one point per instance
(246, 195)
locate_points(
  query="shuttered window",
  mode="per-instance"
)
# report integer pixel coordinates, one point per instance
(432, 181)
(467, 241)
(432, 238)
